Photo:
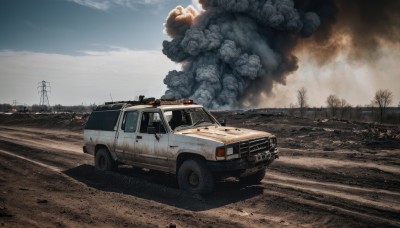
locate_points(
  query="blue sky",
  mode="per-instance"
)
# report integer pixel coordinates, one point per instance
(92, 50)
(62, 26)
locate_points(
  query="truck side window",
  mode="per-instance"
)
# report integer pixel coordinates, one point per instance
(103, 120)
(177, 118)
(151, 119)
(130, 122)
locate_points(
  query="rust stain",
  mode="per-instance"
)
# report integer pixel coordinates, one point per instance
(226, 135)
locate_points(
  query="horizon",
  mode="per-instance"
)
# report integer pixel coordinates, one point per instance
(114, 49)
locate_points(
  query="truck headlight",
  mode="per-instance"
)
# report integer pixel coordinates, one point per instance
(229, 151)
(223, 153)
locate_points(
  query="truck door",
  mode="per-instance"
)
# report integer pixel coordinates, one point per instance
(152, 148)
(126, 136)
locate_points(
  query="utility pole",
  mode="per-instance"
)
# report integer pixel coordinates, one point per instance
(43, 89)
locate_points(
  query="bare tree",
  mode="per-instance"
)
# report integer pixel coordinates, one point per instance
(291, 109)
(302, 100)
(344, 108)
(333, 104)
(58, 108)
(383, 98)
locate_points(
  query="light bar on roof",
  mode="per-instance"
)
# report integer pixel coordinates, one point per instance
(173, 102)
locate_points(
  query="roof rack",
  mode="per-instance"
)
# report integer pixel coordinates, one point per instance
(115, 105)
(141, 101)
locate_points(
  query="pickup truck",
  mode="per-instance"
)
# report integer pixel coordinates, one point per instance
(178, 137)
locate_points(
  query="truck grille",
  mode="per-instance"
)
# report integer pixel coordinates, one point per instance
(254, 146)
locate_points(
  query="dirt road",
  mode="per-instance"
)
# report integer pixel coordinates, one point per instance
(46, 181)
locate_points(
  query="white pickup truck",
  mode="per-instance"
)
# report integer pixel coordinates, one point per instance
(178, 137)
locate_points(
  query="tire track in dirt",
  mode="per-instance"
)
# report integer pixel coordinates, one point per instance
(363, 177)
(359, 205)
(324, 163)
(52, 157)
(43, 138)
(53, 168)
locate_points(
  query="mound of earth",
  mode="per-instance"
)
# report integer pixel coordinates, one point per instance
(69, 121)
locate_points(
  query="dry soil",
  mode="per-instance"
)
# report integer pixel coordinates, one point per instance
(330, 174)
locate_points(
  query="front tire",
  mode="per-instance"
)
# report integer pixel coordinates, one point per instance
(194, 177)
(103, 161)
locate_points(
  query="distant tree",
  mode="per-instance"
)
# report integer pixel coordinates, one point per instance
(383, 98)
(36, 108)
(58, 108)
(333, 103)
(315, 112)
(93, 107)
(291, 109)
(302, 100)
(5, 107)
(357, 112)
(344, 108)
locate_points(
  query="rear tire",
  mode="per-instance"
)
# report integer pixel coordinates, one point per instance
(194, 177)
(253, 179)
(103, 161)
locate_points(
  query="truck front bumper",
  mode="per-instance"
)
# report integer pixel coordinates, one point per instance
(244, 166)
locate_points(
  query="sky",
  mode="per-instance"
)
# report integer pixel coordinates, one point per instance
(93, 51)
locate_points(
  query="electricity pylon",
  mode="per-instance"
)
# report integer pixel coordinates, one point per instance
(44, 88)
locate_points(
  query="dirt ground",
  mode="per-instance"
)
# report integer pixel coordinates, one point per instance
(330, 174)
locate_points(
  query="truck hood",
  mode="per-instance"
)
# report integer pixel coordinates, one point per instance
(226, 135)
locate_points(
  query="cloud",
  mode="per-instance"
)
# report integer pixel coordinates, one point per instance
(352, 80)
(107, 4)
(94, 4)
(89, 78)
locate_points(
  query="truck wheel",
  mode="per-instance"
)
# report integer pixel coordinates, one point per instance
(194, 176)
(103, 161)
(255, 178)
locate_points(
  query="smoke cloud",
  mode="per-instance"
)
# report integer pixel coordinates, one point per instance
(234, 52)
(363, 27)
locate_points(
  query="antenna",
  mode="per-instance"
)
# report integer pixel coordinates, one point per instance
(111, 98)
(44, 88)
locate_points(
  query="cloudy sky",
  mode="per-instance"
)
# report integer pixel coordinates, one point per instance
(88, 50)
(92, 50)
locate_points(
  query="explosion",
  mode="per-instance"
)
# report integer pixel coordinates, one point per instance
(236, 50)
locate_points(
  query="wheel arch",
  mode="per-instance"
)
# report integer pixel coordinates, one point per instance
(185, 156)
(99, 146)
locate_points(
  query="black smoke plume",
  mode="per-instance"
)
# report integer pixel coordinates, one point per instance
(235, 50)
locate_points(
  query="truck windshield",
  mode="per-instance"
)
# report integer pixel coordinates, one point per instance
(179, 119)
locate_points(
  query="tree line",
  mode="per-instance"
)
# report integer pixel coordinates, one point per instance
(39, 108)
(340, 108)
